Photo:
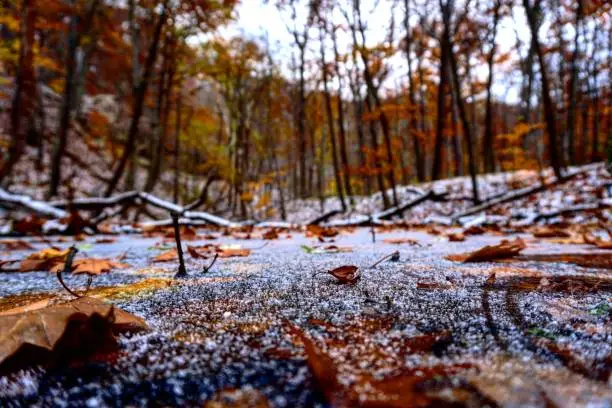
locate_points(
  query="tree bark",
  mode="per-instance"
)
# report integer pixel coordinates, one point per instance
(571, 112)
(488, 151)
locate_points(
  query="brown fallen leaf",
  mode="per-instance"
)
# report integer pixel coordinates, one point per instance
(548, 232)
(505, 249)
(90, 266)
(59, 332)
(456, 237)
(171, 255)
(209, 250)
(16, 244)
(244, 397)
(44, 260)
(346, 274)
(321, 232)
(270, 234)
(474, 230)
(106, 240)
(400, 241)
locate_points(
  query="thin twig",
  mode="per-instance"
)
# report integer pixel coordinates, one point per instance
(68, 268)
(182, 272)
(394, 256)
(207, 268)
(372, 230)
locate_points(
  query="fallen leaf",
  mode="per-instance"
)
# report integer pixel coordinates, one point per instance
(474, 230)
(456, 237)
(107, 240)
(346, 274)
(400, 241)
(209, 250)
(245, 397)
(90, 266)
(58, 332)
(548, 232)
(598, 242)
(270, 234)
(16, 244)
(44, 260)
(171, 255)
(232, 252)
(321, 232)
(505, 249)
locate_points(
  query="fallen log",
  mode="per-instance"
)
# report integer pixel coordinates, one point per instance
(521, 193)
(31, 205)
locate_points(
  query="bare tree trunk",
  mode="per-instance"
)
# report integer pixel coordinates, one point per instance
(467, 128)
(24, 98)
(571, 112)
(330, 124)
(418, 153)
(488, 151)
(532, 12)
(74, 40)
(139, 98)
(441, 111)
(341, 125)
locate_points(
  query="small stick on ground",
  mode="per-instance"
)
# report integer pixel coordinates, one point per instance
(207, 268)
(394, 256)
(67, 269)
(182, 272)
(372, 230)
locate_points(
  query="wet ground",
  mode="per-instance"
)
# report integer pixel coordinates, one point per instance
(533, 334)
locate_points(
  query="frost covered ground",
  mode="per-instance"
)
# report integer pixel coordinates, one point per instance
(523, 337)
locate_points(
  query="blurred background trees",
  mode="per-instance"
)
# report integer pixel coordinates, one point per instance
(101, 96)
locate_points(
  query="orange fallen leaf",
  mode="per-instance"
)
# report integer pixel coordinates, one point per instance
(400, 241)
(505, 249)
(231, 252)
(270, 234)
(44, 260)
(171, 255)
(90, 266)
(58, 332)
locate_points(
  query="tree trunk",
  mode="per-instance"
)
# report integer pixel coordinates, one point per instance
(419, 163)
(489, 137)
(139, 98)
(74, 40)
(330, 125)
(346, 172)
(22, 106)
(549, 109)
(571, 112)
(441, 111)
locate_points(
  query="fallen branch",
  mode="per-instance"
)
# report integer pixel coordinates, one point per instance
(324, 217)
(520, 193)
(28, 203)
(399, 210)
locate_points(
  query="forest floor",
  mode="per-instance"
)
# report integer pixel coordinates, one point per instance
(260, 330)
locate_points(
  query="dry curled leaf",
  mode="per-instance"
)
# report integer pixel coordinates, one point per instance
(346, 274)
(77, 328)
(210, 250)
(505, 249)
(270, 234)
